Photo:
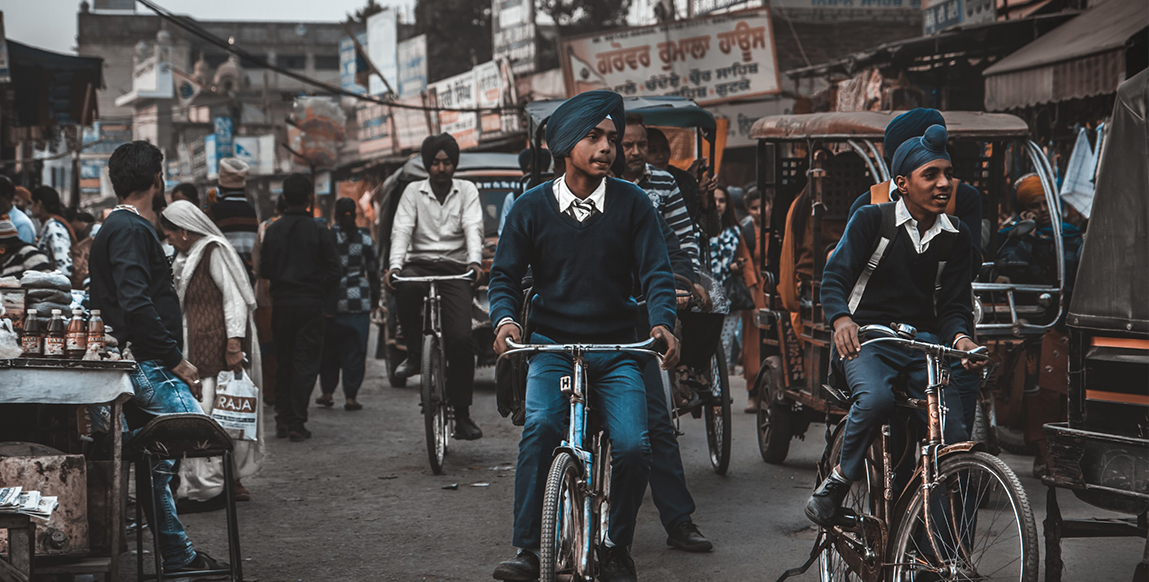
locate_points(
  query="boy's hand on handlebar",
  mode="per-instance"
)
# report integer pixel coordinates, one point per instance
(967, 345)
(389, 278)
(505, 332)
(477, 273)
(846, 338)
(671, 358)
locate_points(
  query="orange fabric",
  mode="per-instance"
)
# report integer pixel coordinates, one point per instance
(751, 360)
(787, 275)
(1028, 190)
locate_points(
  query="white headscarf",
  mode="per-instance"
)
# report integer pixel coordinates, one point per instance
(185, 215)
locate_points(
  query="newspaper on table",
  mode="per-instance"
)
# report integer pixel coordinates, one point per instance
(30, 503)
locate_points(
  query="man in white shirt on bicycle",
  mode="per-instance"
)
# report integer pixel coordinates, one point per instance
(438, 231)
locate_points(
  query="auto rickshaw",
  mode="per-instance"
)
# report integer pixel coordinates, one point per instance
(672, 112)
(1102, 453)
(495, 175)
(816, 166)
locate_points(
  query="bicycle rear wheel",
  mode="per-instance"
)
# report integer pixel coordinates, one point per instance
(717, 414)
(563, 533)
(983, 525)
(435, 413)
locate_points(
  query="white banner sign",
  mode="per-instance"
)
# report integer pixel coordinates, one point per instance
(515, 35)
(459, 92)
(713, 59)
(382, 47)
(412, 66)
(495, 91)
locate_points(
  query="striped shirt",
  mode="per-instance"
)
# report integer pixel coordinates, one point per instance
(56, 244)
(663, 191)
(25, 258)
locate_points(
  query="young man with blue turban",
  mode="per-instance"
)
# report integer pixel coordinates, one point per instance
(965, 204)
(588, 240)
(905, 262)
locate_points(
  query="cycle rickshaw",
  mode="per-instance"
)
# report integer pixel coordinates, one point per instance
(675, 112)
(495, 175)
(1102, 453)
(816, 166)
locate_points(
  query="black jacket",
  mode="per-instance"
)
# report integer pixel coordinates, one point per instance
(132, 287)
(299, 257)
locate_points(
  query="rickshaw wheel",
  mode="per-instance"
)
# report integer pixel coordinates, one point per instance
(775, 420)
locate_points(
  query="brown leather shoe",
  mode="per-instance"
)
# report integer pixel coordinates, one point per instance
(752, 405)
(241, 492)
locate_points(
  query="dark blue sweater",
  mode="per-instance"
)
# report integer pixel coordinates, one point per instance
(967, 207)
(901, 290)
(584, 273)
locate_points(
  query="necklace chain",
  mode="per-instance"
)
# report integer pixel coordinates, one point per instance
(127, 207)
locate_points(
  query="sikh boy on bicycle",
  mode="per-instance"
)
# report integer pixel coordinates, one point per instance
(904, 262)
(588, 239)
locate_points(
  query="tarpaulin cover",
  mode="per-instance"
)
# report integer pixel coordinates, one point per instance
(50, 88)
(1112, 287)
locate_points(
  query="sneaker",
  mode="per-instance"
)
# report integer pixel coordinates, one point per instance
(685, 536)
(825, 505)
(281, 431)
(202, 562)
(524, 566)
(616, 565)
(409, 367)
(352, 404)
(298, 435)
(467, 430)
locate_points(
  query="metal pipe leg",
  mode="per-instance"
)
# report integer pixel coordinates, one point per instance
(232, 520)
(1053, 523)
(157, 557)
(139, 522)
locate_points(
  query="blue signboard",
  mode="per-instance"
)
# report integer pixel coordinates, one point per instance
(940, 16)
(350, 63)
(223, 137)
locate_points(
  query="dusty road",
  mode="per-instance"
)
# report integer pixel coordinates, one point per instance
(358, 502)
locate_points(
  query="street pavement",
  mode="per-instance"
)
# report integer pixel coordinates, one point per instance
(358, 502)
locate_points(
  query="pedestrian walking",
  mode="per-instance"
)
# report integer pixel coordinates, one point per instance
(219, 330)
(732, 264)
(56, 235)
(263, 309)
(233, 214)
(298, 256)
(345, 349)
(132, 287)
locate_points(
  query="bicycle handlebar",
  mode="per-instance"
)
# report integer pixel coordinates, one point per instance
(906, 338)
(652, 347)
(468, 276)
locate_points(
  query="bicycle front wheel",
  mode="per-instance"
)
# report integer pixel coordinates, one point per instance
(564, 530)
(982, 525)
(718, 415)
(435, 413)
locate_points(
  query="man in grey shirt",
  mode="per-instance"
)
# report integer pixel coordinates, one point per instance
(438, 230)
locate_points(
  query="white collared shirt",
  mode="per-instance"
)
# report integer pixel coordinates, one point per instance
(566, 198)
(921, 242)
(425, 229)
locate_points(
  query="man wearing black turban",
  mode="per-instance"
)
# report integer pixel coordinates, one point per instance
(588, 239)
(438, 231)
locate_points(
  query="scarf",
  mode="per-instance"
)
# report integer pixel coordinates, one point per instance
(185, 215)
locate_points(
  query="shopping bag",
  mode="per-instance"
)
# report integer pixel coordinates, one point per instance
(236, 405)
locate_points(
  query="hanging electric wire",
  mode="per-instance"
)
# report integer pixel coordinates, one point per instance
(190, 25)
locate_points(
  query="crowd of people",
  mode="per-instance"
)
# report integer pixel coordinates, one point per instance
(200, 291)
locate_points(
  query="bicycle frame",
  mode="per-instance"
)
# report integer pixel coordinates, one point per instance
(431, 303)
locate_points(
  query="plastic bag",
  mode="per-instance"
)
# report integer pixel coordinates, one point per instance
(9, 341)
(237, 405)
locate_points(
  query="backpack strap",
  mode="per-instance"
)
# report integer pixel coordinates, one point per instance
(886, 236)
(943, 245)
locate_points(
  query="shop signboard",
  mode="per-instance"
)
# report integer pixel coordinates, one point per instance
(710, 60)
(515, 34)
(5, 74)
(382, 41)
(458, 92)
(412, 126)
(413, 66)
(224, 144)
(374, 122)
(939, 15)
(349, 63)
(496, 97)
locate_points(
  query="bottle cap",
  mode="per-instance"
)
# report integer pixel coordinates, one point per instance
(57, 312)
(77, 311)
(95, 312)
(31, 312)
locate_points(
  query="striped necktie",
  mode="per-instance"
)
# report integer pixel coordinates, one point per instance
(581, 210)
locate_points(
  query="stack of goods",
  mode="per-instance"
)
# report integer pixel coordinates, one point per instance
(45, 292)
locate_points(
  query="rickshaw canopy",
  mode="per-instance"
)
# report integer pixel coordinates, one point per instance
(664, 111)
(872, 125)
(1112, 288)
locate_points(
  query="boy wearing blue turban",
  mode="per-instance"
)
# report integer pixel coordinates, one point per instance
(905, 262)
(588, 239)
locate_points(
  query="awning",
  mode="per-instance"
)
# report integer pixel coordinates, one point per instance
(1081, 58)
(52, 89)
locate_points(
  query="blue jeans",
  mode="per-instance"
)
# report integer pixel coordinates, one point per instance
(617, 393)
(345, 348)
(870, 377)
(159, 392)
(667, 477)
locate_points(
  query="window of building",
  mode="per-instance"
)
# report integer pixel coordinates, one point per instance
(326, 63)
(291, 61)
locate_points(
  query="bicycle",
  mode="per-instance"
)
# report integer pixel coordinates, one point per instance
(576, 502)
(438, 418)
(967, 535)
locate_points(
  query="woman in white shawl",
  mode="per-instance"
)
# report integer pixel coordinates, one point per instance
(218, 307)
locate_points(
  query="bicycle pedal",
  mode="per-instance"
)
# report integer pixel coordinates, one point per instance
(847, 518)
